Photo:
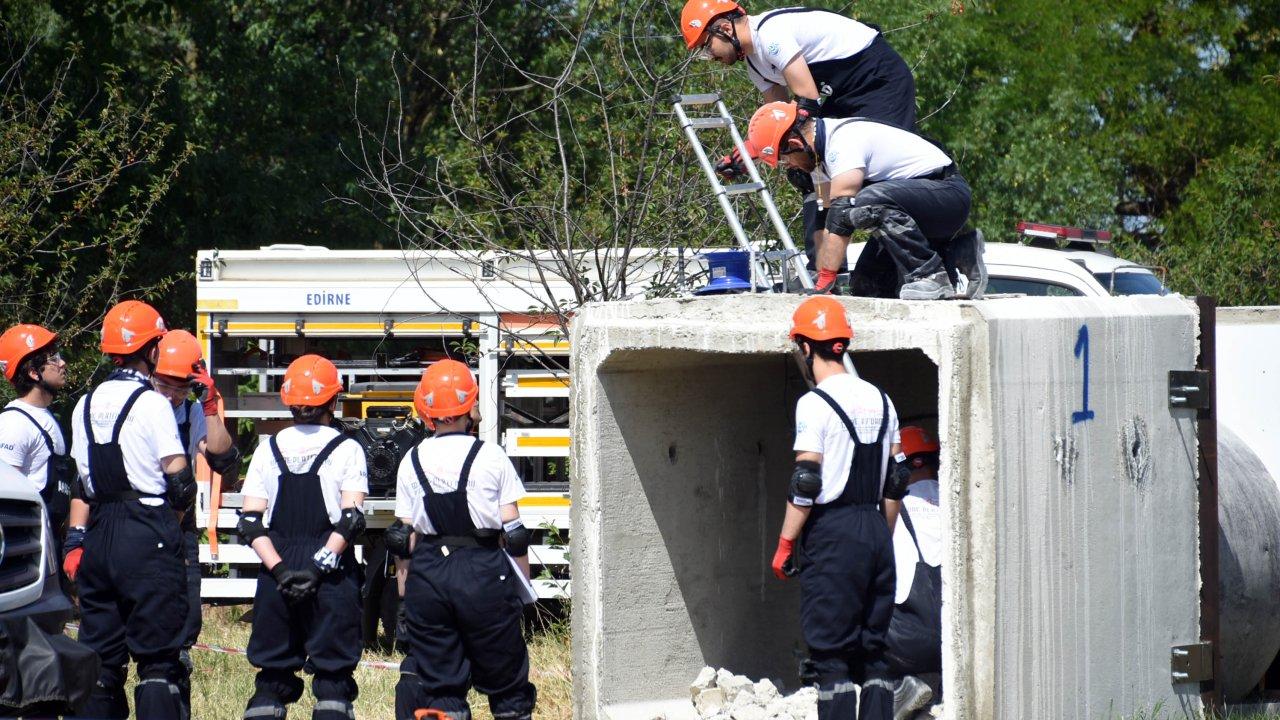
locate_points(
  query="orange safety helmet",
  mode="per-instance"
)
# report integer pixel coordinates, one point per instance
(447, 389)
(20, 342)
(698, 14)
(821, 317)
(310, 380)
(768, 126)
(180, 355)
(915, 441)
(129, 326)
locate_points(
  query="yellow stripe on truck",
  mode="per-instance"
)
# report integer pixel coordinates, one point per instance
(542, 441)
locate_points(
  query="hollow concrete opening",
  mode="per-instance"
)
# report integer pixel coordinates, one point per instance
(695, 511)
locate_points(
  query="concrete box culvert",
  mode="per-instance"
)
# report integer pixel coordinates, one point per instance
(1072, 567)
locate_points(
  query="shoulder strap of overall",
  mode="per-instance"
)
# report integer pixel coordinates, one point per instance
(88, 426)
(417, 469)
(465, 475)
(884, 417)
(844, 417)
(124, 412)
(328, 450)
(906, 520)
(48, 440)
(275, 451)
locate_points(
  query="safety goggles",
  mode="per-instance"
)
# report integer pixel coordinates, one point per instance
(170, 388)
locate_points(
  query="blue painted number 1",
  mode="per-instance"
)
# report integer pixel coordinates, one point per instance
(1082, 348)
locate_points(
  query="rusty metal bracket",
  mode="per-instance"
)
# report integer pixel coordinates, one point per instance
(1188, 389)
(1191, 663)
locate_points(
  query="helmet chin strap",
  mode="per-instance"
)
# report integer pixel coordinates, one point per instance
(732, 35)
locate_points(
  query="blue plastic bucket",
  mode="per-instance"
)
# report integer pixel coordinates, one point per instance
(730, 272)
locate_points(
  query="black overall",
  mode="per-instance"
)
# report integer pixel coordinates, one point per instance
(846, 586)
(875, 83)
(463, 613)
(915, 633)
(60, 474)
(132, 586)
(321, 634)
(190, 544)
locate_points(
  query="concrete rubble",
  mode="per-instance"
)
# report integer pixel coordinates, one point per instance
(721, 695)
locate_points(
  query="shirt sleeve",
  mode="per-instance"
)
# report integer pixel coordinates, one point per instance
(15, 439)
(199, 428)
(255, 484)
(846, 151)
(79, 443)
(404, 487)
(892, 432)
(510, 486)
(161, 424)
(355, 469)
(778, 44)
(810, 425)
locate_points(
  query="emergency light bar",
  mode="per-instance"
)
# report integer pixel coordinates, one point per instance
(1063, 232)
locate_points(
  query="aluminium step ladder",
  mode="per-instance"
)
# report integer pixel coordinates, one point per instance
(789, 255)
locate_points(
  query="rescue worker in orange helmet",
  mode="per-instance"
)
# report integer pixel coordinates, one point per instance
(834, 536)
(902, 188)
(303, 498)
(179, 375)
(458, 519)
(914, 639)
(832, 65)
(30, 438)
(137, 481)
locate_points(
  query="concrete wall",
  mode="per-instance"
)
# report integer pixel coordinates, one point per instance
(1064, 586)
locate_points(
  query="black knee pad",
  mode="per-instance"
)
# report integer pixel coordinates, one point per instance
(279, 685)
(334, 686)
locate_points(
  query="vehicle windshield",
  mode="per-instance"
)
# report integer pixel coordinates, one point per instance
(1131, 283)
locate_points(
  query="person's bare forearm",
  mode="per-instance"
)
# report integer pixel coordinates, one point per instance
(266, 552)
(794, 520)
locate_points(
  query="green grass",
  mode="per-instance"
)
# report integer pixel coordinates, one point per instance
(221, 684)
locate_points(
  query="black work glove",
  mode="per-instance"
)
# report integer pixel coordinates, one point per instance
(396, 537)
(800, 180)
(305, 585)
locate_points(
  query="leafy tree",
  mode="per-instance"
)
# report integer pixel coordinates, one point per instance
(79, 184)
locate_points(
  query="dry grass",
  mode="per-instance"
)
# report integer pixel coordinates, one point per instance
(222, 683)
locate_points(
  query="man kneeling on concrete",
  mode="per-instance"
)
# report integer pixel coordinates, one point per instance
(915, 633)
(894, 183)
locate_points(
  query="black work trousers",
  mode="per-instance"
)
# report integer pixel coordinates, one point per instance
(191, 627)
(133, 601)
(846, 603)
(321, 634)
(910, 221)
(463, 614)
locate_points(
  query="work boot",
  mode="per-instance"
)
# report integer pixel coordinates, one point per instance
(968, 250)
(933, 287)
(910, 695)
(828, 289)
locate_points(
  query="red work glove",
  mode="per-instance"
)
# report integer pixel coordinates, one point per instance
(731, 166)
(209, 402)
(781, 556)
(71, 563)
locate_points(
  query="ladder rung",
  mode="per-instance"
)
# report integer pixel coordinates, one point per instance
(708, 122)
(741, 188)
(702, 99)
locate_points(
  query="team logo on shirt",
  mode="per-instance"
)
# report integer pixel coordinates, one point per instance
(774, 48)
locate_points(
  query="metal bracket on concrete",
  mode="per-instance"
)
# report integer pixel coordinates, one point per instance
(1191, 663)
(1188, 389)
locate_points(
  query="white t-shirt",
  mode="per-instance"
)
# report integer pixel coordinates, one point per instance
(818, 35)
(344, 471)
(21, 444)
(820, 430)
(883, 152)
(199, 427)
(921, 501)
(148, 436)
(492, 484)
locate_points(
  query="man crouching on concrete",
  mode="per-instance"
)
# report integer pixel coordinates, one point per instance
(892, 182)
